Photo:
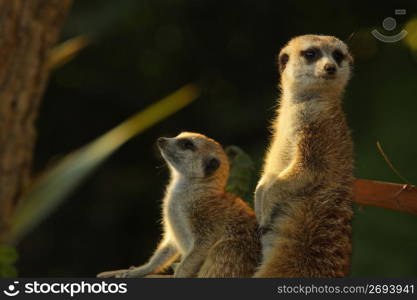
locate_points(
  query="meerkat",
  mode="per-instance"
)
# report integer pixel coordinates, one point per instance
(213, 232)
(303, 199)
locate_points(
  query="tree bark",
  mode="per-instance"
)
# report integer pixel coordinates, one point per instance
(28, 30)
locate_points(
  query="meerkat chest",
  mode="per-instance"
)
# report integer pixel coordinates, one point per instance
(284, 142)
(178, 221)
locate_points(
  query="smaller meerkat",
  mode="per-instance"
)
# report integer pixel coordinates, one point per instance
(215, 233)
(303, 199)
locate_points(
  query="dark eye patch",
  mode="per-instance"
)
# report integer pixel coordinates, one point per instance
(210, 166)
(187, 144)
(338, 56)
(311, 54)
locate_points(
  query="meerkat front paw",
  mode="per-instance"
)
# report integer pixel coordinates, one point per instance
(133, 272)
(263, 202)
(109, 274)
(125, 273)
(259, 202)
(267, 198)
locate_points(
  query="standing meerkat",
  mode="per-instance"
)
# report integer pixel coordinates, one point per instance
(213, 232)
(303, 200)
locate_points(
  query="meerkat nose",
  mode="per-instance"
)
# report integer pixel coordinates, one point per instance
(161, 141)
(330, 69)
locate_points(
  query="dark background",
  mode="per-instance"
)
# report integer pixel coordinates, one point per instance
(144, 49)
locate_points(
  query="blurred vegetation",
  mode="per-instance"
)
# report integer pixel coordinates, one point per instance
(140, 50)
(8, 257)
(241, 179)
(55, 184)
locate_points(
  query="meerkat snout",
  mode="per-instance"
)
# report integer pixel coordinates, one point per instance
(330, 68)
(161, 142)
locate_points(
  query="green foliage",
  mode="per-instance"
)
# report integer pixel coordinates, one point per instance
(241, 173)
(8, 257)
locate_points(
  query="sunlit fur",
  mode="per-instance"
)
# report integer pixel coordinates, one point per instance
(303, 199)
(213, 232)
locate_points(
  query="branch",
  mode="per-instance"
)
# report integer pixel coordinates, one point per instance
(402, 197)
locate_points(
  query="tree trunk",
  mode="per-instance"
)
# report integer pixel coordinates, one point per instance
(28, 30)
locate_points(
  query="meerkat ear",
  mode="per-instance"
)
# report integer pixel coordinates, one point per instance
(211, 165)
(282, 61)
(350, 60)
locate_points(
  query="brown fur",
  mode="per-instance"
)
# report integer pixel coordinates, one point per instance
(227, 225)
(214, 233)
(304, 205)
(222, 225)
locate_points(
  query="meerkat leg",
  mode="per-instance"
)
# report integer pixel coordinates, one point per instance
(165, 254)
(159, 276)
(113, 273)
(162, 258)
(191, 263)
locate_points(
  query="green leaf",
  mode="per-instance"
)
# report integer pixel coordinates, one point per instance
(241, 172)
(7, 271)
(50, 190)
(8, 255)
(66, 51)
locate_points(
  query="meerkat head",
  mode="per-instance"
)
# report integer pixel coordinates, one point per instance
(194, 155)
(315, 63)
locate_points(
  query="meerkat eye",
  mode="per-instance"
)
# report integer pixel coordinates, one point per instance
(338, 56)
(186, 144)
(311, 54)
